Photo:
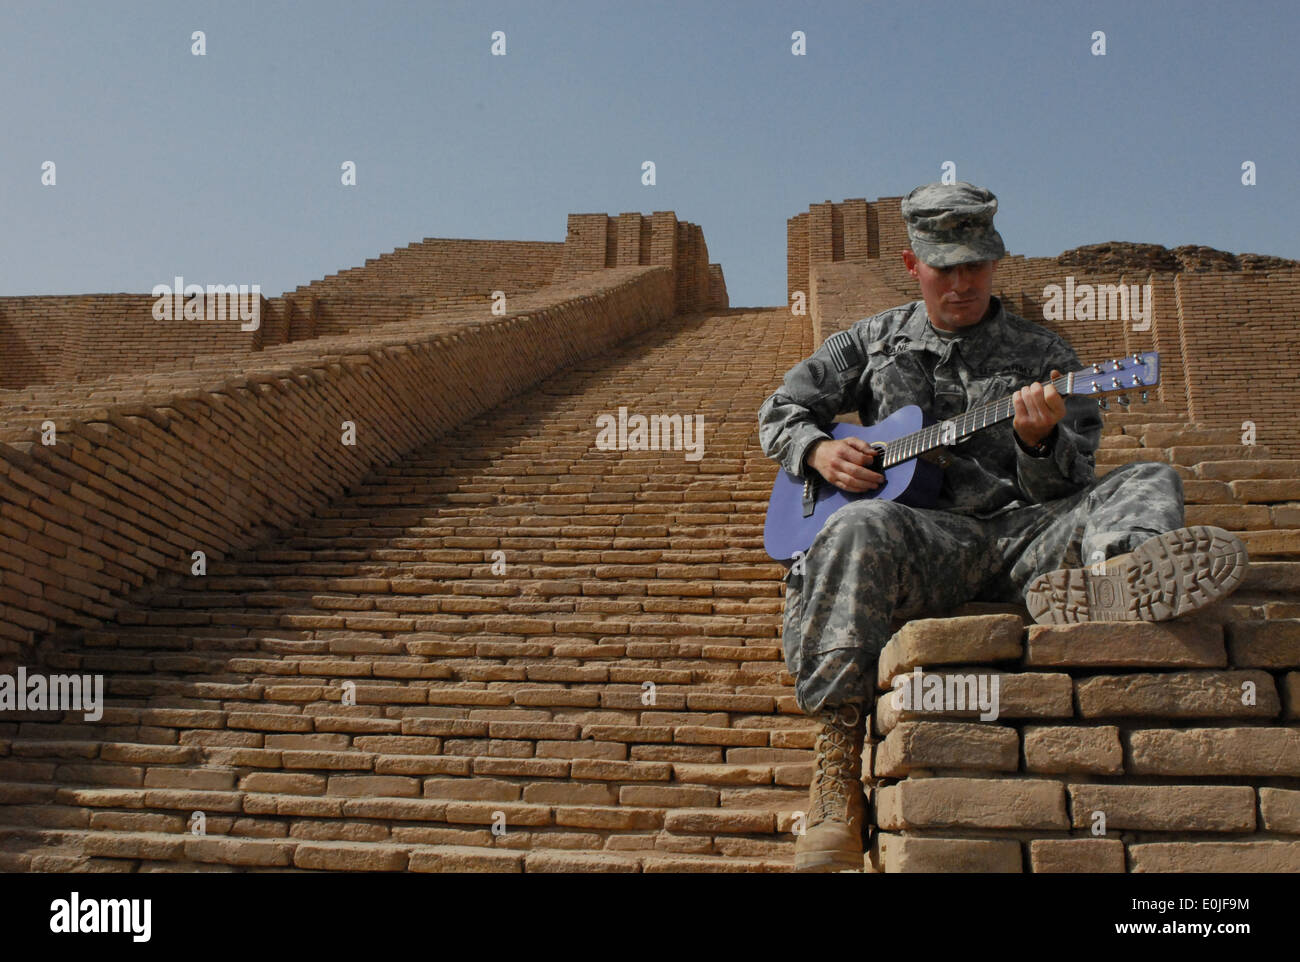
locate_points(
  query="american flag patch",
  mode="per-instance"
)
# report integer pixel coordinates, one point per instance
(843, 351)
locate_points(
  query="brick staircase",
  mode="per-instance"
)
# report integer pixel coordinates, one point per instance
(512, 651)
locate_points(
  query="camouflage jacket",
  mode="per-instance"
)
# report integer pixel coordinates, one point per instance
(895, 358)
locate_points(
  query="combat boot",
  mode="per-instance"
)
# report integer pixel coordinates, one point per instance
(1169, 575)
(836, 806)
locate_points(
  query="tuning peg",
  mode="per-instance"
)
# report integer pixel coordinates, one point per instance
(1096, 369)
(1144, 397)
(1115, 361)
(1104, 405)
(1137, 359)
(1122, 400)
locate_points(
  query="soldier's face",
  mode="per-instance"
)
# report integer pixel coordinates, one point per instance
(955, 297)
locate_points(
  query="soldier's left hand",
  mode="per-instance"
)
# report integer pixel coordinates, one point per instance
(1038, 408)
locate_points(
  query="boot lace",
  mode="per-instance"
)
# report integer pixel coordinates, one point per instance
(837, 751)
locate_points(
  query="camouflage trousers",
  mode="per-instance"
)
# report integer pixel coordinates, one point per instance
(874, 561)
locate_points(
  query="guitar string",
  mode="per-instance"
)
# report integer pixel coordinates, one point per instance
(928, 437)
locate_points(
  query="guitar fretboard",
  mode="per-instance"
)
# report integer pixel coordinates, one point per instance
(962, 426)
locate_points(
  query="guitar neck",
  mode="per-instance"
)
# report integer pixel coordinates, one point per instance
(941, 434)
(1138, 370)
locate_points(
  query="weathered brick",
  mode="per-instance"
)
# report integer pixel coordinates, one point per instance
(1214, 751)
(971, 803)
(371, 785)
(463, 859)
(1165, 808)
(1051, 749)
(913, 745)
(1264, 644)
(1280, 809)
(1246, 857)
(946, 641)
(350, 857)
(717, 820)
(1094, 855)
(1127, 644)
(290, 783)
(1187, 694)
(901, 853)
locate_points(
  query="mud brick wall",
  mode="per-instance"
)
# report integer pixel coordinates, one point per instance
(150, 469)
(1165, 336)
(1241, 334)
(797, 266)
(856, 230)
(448, 266)
(1024, 279)
(1142, 724)
(718, 299)
(341, 313)
(595, 242)
(33, 336)
(844, 293)
(45, 339)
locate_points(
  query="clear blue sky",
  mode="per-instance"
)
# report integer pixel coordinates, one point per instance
(226, 168)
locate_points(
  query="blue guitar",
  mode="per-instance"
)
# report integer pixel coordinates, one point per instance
(910, 454)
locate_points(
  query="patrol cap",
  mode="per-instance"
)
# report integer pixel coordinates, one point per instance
(950, 224)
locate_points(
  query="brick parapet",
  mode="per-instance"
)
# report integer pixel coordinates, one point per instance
(149, 468)
(1115, 747)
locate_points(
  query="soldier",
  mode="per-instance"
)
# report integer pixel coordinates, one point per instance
(1021, 513)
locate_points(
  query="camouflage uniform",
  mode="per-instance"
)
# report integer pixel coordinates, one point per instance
(1003, 516)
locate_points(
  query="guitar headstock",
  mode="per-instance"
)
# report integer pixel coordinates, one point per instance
(1118, 374)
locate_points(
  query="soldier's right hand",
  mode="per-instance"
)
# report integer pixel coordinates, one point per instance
(843, 464)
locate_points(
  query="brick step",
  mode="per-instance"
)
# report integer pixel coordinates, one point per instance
(1167, 436)
(1240, 470)
(279, 561)
(1183, 471)
(254, 854)
(647, 569)
(432, 745)
(1278, 542)
(1233, 517)
(1115, 456)
(1191, 454)
(1184, 454)
(592, 636)
(1135, 426)
(314, 656)
(400, 751)
(556, 807)
(1266, 490)
(1152, 412)
(590, 806)
(364, 545)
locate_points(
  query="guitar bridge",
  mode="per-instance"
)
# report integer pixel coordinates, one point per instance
(809, 495)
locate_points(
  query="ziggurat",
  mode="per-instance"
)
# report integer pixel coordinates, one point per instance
(565, 658)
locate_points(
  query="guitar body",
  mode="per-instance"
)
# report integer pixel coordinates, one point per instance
(795, 515)
(914, 482)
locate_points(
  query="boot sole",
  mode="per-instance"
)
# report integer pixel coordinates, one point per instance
(1164, 577)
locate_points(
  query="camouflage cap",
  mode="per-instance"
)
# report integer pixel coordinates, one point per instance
(950, 224)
